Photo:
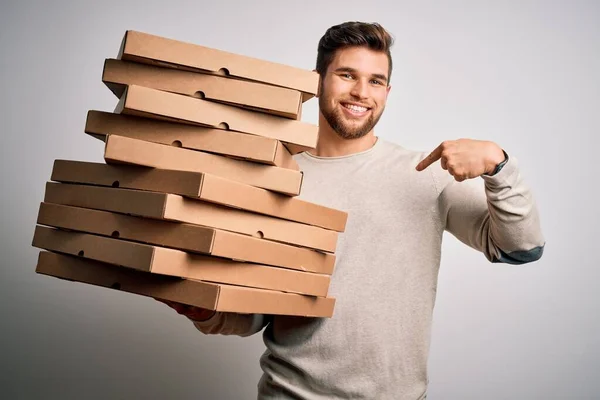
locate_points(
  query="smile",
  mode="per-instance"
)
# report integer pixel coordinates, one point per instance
(356, 109)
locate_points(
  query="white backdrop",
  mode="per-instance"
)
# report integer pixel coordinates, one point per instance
(521, 73)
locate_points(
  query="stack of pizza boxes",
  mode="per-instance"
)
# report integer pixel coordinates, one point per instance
(197, 201)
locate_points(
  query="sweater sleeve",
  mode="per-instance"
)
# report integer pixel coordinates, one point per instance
(226, 323)
(500, 219)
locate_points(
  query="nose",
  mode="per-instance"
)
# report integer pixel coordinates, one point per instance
(359, 89)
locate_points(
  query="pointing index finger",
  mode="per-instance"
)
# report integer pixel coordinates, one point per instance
(430, 159)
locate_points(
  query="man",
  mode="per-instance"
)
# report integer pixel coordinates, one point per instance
(399, 202)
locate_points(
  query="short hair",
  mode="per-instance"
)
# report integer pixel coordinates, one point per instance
(353, 34)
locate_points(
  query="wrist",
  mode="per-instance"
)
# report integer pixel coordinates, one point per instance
(498, 165)
(496, 162)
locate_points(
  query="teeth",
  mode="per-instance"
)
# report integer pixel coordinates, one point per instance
(355, 108)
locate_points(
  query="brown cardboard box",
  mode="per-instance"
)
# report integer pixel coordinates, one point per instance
(287, 103)
(151, 49)
(212, 296)
(164, 261)
(157, 104)
(178, 208)
(234, 144)
(205, 187)
(121, 149)
(186, 237)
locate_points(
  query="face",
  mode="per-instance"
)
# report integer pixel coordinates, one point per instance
(354, 91)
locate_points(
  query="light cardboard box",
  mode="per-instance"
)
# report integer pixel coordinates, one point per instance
(151, 49)
(157, 104)
(121, 149)
(234, 144)
(164, 261)
(287, 103)
(183, 209)
(212, 296)
(186, 237)
(201, 186)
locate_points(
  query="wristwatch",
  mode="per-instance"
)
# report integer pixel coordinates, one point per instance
(499, 166)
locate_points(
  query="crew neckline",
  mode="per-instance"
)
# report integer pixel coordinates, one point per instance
(306, 154)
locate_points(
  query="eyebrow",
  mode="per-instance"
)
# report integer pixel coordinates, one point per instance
(352, 70)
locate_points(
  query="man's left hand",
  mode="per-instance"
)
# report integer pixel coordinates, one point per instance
(465, 158)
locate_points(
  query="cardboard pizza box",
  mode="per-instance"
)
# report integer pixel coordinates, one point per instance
(201, 186)
(233, 144)
(186, 237)
(157, 104)
(286, 103)
(165, 261)
(124, 150)
(193, 211)
(167, 52)
(212, 296)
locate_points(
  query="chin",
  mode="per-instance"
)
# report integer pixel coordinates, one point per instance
(351, 134)
(346, 127)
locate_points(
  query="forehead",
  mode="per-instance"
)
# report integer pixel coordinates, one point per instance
(361, 59)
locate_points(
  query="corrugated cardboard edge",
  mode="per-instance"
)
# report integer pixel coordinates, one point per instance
(74, 269)
(50, 186)
(140, 255)
(123, 226)
(62, 172)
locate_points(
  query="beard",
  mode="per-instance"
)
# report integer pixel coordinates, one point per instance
(344, 128)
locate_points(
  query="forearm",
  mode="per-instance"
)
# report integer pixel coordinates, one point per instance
(502, 220)
(514, 217)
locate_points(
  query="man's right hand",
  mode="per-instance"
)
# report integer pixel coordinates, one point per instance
(193, 313)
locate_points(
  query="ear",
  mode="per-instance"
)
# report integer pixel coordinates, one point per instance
(387, 90)
(319, 87)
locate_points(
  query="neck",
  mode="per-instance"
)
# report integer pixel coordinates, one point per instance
(332, 145)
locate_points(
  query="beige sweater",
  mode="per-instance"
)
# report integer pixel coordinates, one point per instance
(376, 345)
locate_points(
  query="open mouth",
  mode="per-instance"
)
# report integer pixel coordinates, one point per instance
(355, 109)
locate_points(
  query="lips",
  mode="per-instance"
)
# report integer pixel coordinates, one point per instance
(355, 109)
